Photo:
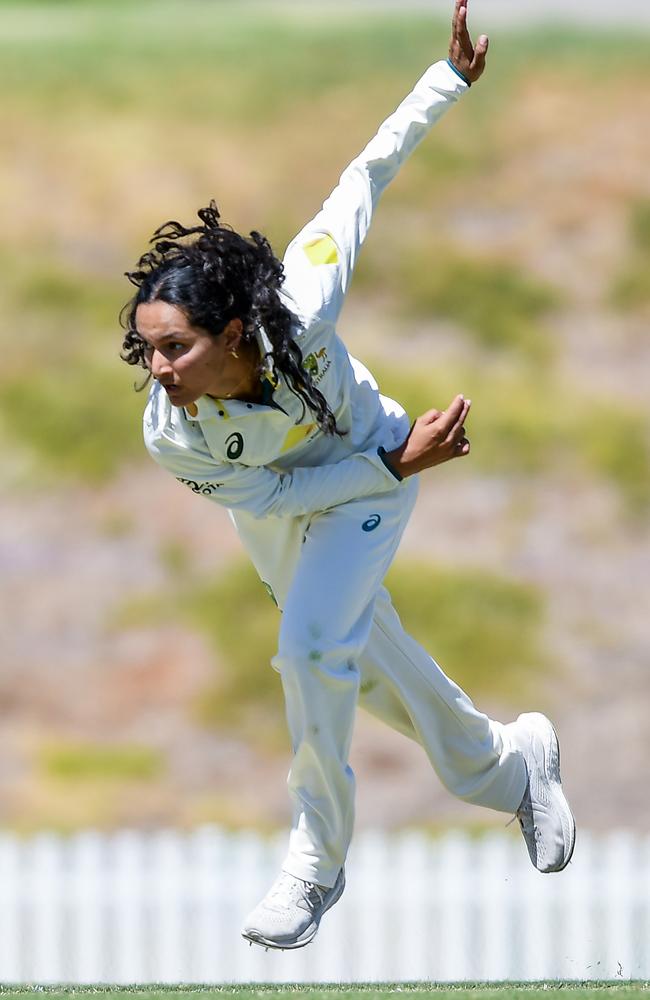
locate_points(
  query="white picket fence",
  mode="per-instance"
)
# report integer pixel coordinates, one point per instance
(167, 907)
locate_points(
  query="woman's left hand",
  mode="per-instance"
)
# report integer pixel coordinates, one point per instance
(434, 438)
(469, 61)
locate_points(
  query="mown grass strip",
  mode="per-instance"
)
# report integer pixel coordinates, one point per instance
(356, 991)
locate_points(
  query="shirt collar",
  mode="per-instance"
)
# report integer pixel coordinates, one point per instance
(266, 351)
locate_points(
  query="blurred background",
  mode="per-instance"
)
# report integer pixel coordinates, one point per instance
(508, 261)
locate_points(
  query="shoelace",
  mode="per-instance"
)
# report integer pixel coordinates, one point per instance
(524, 817)
(527, 823)
(288, 888)
(524, 814)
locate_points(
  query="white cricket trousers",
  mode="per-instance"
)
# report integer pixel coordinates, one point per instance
(342, 643)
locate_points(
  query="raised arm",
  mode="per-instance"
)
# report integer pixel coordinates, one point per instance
(320, 260)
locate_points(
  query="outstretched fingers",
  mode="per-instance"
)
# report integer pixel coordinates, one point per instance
(467, 59)
(454, 19)
(461, 32)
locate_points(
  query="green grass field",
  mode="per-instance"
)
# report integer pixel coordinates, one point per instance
(356, 991)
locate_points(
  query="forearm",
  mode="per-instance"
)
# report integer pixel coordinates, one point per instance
(364, 180)
(321, 259)
(265, 493)
(307, 490)
(433, 94)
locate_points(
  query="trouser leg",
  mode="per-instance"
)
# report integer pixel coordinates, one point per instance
(405, 687)
(399, 682)
(326, 622)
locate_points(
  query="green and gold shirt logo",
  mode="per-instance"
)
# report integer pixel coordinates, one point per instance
(316, 364)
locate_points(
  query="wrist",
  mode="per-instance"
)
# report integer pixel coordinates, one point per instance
(458, 73)
(393, 462)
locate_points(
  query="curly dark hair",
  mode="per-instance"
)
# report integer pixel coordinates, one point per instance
(214, 275)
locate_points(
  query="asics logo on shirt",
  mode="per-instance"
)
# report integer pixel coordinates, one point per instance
(373, 522)
(234, 446)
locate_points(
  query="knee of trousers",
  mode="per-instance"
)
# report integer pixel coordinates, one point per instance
(303, 654)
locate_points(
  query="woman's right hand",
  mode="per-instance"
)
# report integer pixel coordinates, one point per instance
(468, 60)
(434, 438)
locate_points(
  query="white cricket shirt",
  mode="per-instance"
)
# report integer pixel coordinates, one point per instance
(271, 459)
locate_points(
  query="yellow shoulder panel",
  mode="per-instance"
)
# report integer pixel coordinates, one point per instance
(322, 250)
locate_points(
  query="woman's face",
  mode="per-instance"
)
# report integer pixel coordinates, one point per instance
(186, 360)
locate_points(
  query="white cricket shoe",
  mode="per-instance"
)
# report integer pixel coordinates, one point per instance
(289, 915)
(544, 815)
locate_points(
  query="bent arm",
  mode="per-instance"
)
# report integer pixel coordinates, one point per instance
(320, 260)
(264, 493)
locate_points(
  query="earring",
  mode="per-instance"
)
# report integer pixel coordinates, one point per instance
(234, 353)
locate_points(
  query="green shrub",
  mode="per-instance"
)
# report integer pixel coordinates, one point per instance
(522, 423)
(631, 288)
(615, 444)
(95, 762)
(514, 424)
(57, 315)
(484, 630)
(81, 422)
(500, 307)
(241, 622)
(64, 393)
(60, 293)
(175, 557)
(640, 226)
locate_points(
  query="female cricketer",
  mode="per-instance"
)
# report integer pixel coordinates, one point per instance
(256, 404)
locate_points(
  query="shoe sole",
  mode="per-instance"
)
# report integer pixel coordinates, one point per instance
(307, 935)
(546, 732)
